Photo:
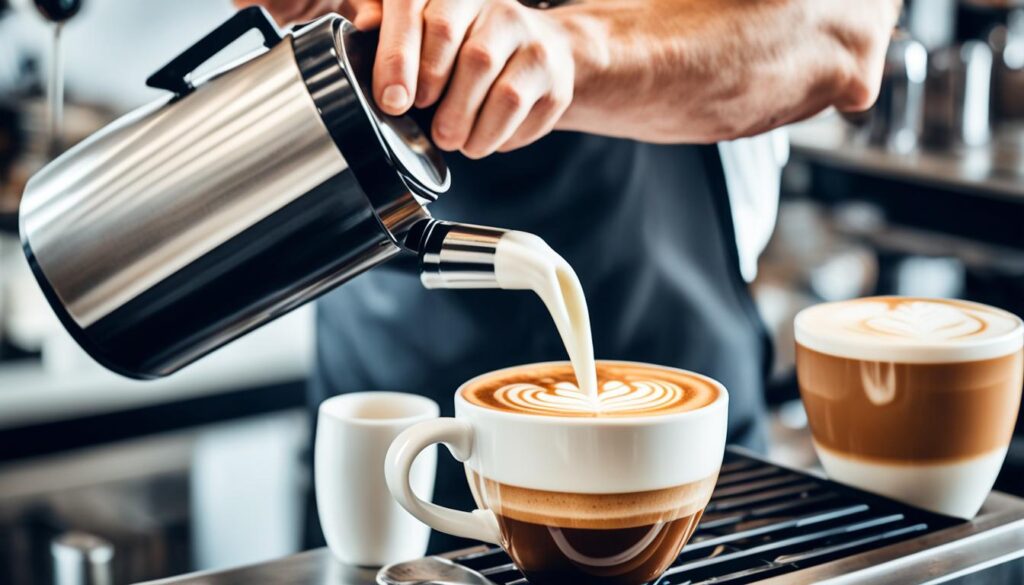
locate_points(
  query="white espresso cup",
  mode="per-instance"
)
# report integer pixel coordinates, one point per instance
(361, 523)
(570, 498)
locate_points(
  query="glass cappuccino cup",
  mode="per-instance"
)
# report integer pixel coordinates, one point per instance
(912, 398)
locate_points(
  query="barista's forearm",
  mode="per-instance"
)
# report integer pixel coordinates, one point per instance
(709, 70)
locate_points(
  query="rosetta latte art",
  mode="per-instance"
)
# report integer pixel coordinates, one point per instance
(909, 330)
(925, 320)
(614, 397)
(625, 389)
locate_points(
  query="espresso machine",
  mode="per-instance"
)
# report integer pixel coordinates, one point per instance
(237, 198)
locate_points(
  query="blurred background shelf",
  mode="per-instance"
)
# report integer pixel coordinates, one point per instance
(44, 411)
(991, 170)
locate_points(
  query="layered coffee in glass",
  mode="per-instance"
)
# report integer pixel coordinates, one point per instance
(912, 398)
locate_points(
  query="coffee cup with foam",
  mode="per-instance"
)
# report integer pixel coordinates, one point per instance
(577, 490)
(912, 398)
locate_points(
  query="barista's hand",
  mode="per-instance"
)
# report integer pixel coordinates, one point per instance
(506, 72)
(365, 14)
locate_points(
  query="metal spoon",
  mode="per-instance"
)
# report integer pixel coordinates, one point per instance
(430, 571)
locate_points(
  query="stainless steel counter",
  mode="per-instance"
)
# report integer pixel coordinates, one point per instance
(995, 537)
(315, 567)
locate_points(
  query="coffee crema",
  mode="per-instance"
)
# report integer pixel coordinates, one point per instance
(624, 389)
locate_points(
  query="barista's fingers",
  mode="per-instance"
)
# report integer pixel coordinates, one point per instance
(316, 9)
(553, 64)
(538, 124)
(279, 9)
(398, 55)
(365, 14)
(352, 10)
(445, 24)
(492, 40)
(508, 103)
(283, 11)
(272, 6)
(302, 7)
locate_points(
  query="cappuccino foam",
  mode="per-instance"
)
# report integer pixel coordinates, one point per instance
(909, 330)
(624, 389)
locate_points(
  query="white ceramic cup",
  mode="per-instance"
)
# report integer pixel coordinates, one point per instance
(574, 459)
(361, 523)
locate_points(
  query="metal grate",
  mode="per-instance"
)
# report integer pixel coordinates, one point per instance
(765, 520)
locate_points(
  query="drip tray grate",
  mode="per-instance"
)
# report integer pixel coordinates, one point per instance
(764, 520)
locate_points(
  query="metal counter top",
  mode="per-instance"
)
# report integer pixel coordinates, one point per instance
(315, 567)
(994, 537)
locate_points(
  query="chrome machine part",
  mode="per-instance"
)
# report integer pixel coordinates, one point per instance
(81, 559)
(896, 118)
(956, 111)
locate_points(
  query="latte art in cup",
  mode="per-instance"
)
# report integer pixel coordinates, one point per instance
(909, 330)
(927, 320)
(912, 398)
(578, 491)
(624, 389)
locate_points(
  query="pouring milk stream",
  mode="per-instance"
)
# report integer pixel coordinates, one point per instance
(525, 261)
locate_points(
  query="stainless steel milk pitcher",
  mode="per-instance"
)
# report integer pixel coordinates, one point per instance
(196, 219)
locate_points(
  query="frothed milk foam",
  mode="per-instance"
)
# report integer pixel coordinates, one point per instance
(524, 261)
(909, 330)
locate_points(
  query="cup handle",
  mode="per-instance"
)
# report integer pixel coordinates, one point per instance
(458, 437)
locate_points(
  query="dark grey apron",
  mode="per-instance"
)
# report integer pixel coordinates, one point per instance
(648, 230)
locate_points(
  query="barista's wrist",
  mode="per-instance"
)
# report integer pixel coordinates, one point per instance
(589, 38)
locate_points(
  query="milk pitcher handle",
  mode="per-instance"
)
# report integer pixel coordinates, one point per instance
(458, 437)
(174, 76)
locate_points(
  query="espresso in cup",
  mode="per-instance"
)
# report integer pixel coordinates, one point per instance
(912, 398)
(577, 490)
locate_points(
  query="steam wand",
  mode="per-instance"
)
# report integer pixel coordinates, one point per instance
(58, 12)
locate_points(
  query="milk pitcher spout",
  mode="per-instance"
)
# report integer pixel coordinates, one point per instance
(454, 255)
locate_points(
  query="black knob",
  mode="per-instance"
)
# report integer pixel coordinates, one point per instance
(58, 10)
